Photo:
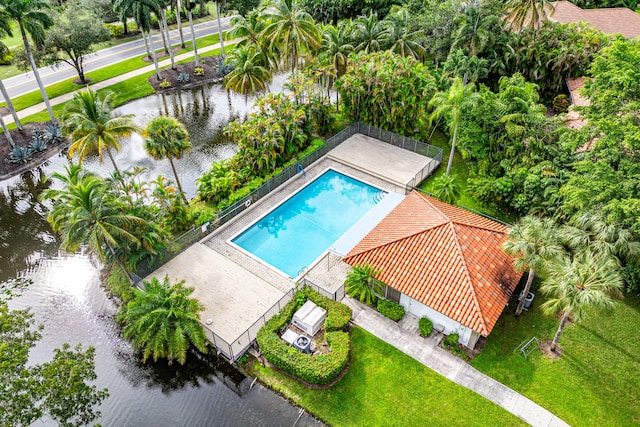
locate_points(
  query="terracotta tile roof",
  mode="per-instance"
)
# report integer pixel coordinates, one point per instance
(443, 256)
(614, 20)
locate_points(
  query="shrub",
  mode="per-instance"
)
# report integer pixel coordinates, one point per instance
(52, 133)
(314, 369)
(451, 341)
(6, 56)
(426, 327)
(198, 71)
(117, 284)
(183, 78)
(390, 309)
(37, 144)
(165, 84)
(561, 103)
(117, 29)
(20, 154)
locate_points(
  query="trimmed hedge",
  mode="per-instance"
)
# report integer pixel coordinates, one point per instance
(426, 327)
(390, 309)
(319, 369)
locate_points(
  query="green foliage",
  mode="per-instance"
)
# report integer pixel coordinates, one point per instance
(117, 283)
(446, 188)
(560, 103)
(361, 283)
(391, 309)
(165, 84)
(425, 326)
(331, 11)
(20, 154)
(243, 7)
(387, 91)
(162, 321)
(314, 369)
(59, 389)
(198, 71)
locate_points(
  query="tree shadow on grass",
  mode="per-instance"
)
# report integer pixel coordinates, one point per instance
(618, 348)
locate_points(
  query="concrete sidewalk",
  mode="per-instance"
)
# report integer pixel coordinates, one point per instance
(404, 336)
(117, 79)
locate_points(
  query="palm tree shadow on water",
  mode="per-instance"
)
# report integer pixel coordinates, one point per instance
(200, 369)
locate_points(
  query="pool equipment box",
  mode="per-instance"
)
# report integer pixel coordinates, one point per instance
(309, 318)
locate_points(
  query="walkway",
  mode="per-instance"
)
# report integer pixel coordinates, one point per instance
(404, 336)
(34, 109)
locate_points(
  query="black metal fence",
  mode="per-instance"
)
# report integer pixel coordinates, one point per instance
(336, 296)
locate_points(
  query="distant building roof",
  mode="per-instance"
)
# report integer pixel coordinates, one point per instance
(443, 256)
(614, 20)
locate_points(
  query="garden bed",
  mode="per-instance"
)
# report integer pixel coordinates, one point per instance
(208, 64)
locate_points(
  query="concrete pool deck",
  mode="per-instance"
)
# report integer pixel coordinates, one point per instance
(238, 289)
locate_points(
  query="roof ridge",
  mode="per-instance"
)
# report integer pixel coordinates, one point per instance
(468, 276)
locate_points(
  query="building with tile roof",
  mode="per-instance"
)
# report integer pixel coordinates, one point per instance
(442, 262)
(613, 20)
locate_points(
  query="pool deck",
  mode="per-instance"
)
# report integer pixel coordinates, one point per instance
(238, 289)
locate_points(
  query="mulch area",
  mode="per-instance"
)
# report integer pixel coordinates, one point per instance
(209, 64)
(23, 138)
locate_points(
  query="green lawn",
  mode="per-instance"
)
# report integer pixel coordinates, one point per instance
(385, 387)
(460, 169)
(594, 383)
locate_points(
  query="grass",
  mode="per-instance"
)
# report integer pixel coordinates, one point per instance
(460, 169)
(386, 387)
(596, 380)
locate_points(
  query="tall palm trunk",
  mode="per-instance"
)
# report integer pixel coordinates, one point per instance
(6, 132)
(220, 28)
(175, 173)
(563, 323)
(153, 54)
(146, 43)
(166, 30)
(193, 39)
(161, 30)
(113, 162)
(525, 291)
(453, 148)
(27, 48)
(7, 99)
(179, 21)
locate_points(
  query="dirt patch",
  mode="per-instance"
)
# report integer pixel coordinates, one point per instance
(23, 138)
(209, 65)
(545, 348)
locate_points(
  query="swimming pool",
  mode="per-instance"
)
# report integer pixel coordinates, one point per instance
(297, 232)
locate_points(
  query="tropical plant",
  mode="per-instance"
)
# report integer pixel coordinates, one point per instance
(141, 11)
(250, 73)
(290, 31)
(248, 29)
(403, 40)
(5, 30)
(577, 285)
(528, 13)
(183, 78)
(533, 242)
(166, 137)
(162, 321)
(370, 34)
(37, 145)
(361, 283)
(451, 104)
(446, 188)
(52, 133)
(32, 19)
(88, 120)
(20, 154)
(83, 213)
(336, 46)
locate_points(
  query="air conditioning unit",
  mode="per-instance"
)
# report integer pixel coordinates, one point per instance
(310, 318)
(303, 344)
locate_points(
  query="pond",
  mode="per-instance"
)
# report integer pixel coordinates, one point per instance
(66, 296)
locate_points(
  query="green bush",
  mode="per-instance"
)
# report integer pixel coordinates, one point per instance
(561, 103)
(165, 84)
(117, 29)
(117, 284)
(390, 309)
(452, 341)
(319, 369)
(426, 327)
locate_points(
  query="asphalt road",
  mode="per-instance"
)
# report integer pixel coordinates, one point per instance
(24, 83)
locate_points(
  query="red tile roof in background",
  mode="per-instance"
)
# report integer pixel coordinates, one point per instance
(443, 256)
(614, 20)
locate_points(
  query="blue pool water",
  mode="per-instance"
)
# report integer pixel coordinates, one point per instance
(298, 231)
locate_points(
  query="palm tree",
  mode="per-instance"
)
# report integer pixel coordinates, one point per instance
(446, 188)
(89, 121)
(83, 214)
(248, 29)
(361, 283)
(476, 30)
(403, 41)
(291, 31)
(451, 103)
(5, 30)
(162, 320)
(336, 46)
(167, 137)
(371, 34)
(193, 33)
(250, 73)
(534, 242)
(579, 284)
(528, 13)
(32, 20)
(220, 27)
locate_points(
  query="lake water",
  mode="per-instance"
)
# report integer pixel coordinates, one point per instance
(66, 296)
